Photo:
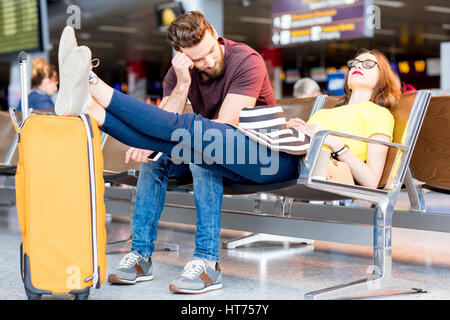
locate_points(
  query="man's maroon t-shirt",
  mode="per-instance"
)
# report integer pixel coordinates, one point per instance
(245, 74)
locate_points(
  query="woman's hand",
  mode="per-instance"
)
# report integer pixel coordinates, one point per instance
(307, 129)
(295, 122)
(310, 130)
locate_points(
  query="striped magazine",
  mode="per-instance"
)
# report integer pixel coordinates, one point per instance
(267, 125)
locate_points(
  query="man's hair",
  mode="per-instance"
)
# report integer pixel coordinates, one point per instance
(187, 30)
(305, 86)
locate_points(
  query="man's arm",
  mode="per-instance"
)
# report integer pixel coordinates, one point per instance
(176, 101)
(244, 89)
(232, 106)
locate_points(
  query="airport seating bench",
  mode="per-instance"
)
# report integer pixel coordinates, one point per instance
(409, 116)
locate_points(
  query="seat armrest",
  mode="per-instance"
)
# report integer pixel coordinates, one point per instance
(316, 145)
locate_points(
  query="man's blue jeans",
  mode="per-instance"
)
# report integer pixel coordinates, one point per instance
(151, 193)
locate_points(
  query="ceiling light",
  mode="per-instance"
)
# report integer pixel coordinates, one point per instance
(437, 9)
(118, 29)
(245, 3)
(85, 36)
(259, 20)
(235, 37)
(386, 32)
(149, 47)
(435, 36)
(388, 3)
(98, 44)
(446, 26)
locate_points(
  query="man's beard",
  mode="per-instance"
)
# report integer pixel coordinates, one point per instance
(218, 70)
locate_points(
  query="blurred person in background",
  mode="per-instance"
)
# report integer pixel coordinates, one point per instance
(404, 87)
(306, 88)
(44, 83)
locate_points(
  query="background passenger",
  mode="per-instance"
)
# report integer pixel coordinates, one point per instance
(306, 88)
(44, 83)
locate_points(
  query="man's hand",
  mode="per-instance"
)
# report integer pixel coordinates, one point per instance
(138, 155)
(182, 64)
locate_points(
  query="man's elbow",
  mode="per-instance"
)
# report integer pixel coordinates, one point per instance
(233, 122)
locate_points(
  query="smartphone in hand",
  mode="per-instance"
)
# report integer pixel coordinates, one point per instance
(154, 156)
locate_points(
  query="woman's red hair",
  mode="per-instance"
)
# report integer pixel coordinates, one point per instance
(386, 92)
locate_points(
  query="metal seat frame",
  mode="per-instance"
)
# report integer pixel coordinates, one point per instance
(381, 278)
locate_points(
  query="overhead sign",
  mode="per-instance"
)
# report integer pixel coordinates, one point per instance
(336, 83)
(305, 21)
(19, 25)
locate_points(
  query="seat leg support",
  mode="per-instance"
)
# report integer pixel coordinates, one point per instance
(380, 282)
(259, 237)
(283, 206)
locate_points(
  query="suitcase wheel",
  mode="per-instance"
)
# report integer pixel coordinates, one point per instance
(80, 296)
(33, 296)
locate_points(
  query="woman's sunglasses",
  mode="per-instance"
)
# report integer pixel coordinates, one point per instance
(368, 64)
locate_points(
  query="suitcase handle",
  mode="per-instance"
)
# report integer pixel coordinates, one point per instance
(23, 65)
(16, 125)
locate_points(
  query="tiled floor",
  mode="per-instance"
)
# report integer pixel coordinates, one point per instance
(258, 271)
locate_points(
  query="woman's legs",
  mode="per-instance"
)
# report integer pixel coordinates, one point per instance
(101, 92)
(204, 140)
(96, 111)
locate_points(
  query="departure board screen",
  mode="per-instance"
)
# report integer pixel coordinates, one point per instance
(305, 21)
(19, 25)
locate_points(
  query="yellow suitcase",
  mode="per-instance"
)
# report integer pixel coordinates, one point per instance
(60, 205)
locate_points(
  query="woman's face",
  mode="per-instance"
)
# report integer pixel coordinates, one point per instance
(362, 78)
(50, 85)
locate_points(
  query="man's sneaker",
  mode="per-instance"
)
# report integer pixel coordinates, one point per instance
(132, 268)
(197, 277)
(73, 95)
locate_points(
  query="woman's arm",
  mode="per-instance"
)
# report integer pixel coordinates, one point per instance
(367, 173)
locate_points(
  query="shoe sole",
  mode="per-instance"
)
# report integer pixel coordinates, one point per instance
(67, 40)
(212, 287)
(72, 75)
(113, 279)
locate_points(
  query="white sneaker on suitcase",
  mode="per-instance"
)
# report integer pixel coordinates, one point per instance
(73, 96)
(67, 43)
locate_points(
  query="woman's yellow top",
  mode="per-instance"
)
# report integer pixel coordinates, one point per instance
(363, 119)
